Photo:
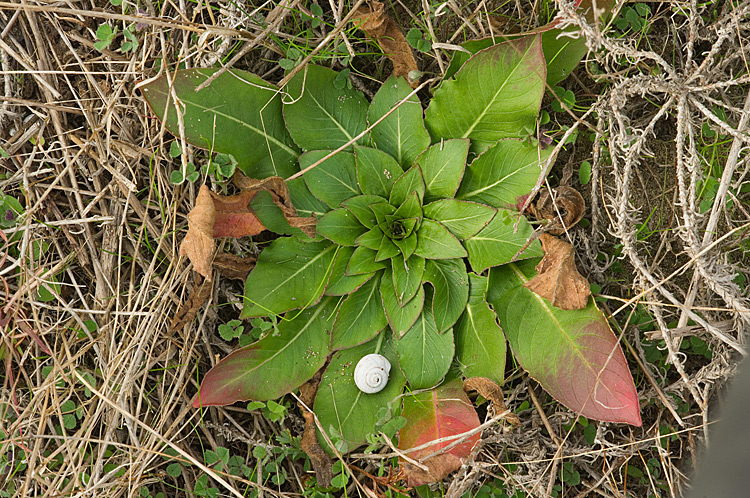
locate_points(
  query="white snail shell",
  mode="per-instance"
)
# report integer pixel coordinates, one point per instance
(371, 373)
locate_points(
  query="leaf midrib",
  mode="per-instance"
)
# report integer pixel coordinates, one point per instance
(554, 319)
(300, 270)
(255, 129)
(332, 118)
(494, 98)
(291, 342)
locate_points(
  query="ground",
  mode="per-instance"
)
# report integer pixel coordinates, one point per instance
(97, 386)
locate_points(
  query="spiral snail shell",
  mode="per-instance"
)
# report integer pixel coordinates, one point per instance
(371, 373)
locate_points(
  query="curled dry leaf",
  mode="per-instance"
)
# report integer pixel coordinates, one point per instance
(557, 278)
(566, 201)
(216, 215)
(198, 296)
(276, 186)
(379, 26)
(233, 266)
(198, 244)
(321, 463)
(492, 392)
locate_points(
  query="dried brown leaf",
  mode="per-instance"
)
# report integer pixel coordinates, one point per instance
(233, 266)
(216, 215)
(557, 278)
(566, 201)
(276, 186)
(379, 26)
(199, 294)
(492, 392)
(321, 463)
(198, 244)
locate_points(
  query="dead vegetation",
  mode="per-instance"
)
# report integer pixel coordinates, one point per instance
(97, 389)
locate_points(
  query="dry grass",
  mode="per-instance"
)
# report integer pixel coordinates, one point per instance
(90, 166)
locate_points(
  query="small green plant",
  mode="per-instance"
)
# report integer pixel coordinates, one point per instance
(565, 99)
(419, 250)
(569, 475)
(633, 18)
(221, 168)
(231, 330)
(417, 40)
(106, 35)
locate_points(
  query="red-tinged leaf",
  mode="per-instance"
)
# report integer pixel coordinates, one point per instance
(275, 365)
(573, 354)
(216, 216)
(233, 218)
(441, 412)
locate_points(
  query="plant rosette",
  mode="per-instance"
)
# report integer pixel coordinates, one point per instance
(417, 255)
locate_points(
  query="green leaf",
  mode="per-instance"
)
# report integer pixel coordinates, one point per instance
(573, 354)
(407, 245)
(289, 274)
(480, 342)
(376, 171)
(340, 226)
(499, 90)
(174, 470)
(442, 168)
(371, 239)
(387, 249)
(341, 405)
(363, 261)
(562, 53)
(303, 200)
(271, 216)
(298, 350)
(448, 278)
(411, 208)
(408, 184)
(321, 116)
(407, 277)
(238, 114)
(463, 219)
(382, 211)
(400, 318)
(498, 242)
(360, 316)
(425, 355)
(399, 228)
(507, 171)
(360, 207)
(334, 180)
(434, 241)
(584, 173)
(402, 134)
(104, 32)
(340, 283)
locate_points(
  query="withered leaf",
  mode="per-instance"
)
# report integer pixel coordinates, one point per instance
(570, 205)
(216, 215)
(198, 244)
(492, 392)
(321, 463)
(379, 26)
(557, 277)
(277, 187)
(233, 266)
(199, 294)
